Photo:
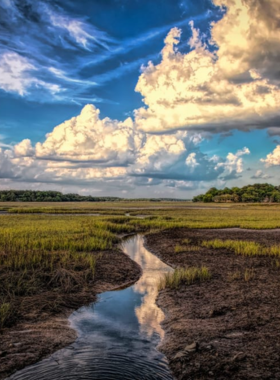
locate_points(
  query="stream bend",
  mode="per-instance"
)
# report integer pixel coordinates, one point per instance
(117, 335)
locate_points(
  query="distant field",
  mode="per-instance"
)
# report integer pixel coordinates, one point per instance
(122, 207)
(95, 205)
(165, 214)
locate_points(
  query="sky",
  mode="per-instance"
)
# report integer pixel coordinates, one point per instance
(139, 98)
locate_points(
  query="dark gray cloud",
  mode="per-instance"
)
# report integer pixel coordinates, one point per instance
(274, 131)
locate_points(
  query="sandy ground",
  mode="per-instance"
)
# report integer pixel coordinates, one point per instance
(44, 331)
(225, 328)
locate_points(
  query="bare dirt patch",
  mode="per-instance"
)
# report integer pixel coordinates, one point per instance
(227, 327)
(43, 326)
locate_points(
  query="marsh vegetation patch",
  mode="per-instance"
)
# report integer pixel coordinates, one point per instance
(52, 264)
(48, 268)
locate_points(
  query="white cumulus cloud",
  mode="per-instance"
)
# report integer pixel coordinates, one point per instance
(89, 150)
(24, 148)
(88, 138)
(158, 152)
(234, 87)
(272, 158)
(234, 161)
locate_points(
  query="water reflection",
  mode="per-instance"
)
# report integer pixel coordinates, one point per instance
(148, 314)
(118, 335)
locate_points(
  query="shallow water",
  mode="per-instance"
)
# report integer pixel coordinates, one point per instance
(117, 335)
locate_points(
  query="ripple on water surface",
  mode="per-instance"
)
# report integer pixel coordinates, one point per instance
(117, 336)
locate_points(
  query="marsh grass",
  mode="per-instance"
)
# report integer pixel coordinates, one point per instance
(36, 273)
(166, 214)
(183, 276)
(61, 211)
(189, 248)
(40, 253)
(5, 311)
(274, 250)
(186, 241)
(248, 275)
(276, 264)
(243, 247)
(44, 252)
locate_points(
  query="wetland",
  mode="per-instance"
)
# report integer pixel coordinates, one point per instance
(75, 291)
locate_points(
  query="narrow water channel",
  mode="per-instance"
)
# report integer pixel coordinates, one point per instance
(117, 336)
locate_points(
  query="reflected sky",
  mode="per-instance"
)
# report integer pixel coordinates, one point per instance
(148, 314)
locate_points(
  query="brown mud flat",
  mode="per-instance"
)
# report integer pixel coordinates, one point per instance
(44, 330)
(227, 327)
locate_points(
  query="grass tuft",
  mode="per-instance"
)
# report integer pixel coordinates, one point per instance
(190, 248)
(243, 247)
(183, 276)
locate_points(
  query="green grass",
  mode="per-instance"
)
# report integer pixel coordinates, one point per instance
(240, 247)
(243, 247)
(186, 241)
(167, 214)
(183, 276)
(245, 217)
(183, 248)
(39, 253)
(57, 210)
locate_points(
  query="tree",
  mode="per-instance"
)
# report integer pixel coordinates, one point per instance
(263, 192)
(207, 198)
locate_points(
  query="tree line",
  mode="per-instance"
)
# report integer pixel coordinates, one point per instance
(257, 193)
(48, 196)
(56, 196)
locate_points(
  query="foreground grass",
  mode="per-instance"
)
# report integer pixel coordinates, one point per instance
(41, 253)
(35, 273)
(183, 276)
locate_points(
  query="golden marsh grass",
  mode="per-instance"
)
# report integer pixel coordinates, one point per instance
(183, 276)
(243, 247)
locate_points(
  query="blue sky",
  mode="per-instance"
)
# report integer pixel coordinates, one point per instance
(168, 97)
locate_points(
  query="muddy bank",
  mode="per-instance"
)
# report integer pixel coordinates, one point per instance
(228, 327)
(44, 329)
